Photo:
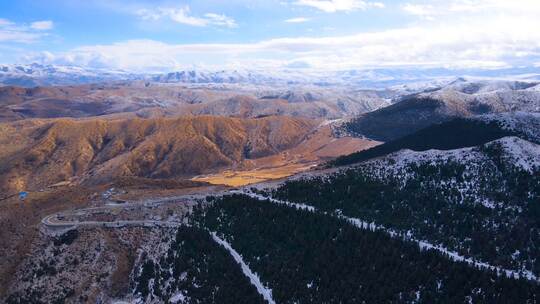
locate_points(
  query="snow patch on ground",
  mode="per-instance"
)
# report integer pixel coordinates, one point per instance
(264, 198)
(527, 123)
(178, 298)
(424, 245)
(452, 255)
(520, 153)
(253, 278)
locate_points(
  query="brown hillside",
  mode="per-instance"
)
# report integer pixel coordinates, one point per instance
(36, 154)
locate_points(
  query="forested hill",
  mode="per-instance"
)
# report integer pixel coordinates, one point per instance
(481, 202)
(400, 119)
(455, 134)
(312, 257)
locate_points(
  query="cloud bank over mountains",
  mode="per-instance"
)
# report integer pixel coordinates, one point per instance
(480, 34)
(498, 46)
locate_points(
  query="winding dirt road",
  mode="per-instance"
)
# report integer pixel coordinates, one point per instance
(57, 223)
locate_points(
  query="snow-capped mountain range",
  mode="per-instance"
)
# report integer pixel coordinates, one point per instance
(32, 75)
(407, 79)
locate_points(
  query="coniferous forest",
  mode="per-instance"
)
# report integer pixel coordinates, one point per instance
(486, 208)
(196, 268)
(310, 257)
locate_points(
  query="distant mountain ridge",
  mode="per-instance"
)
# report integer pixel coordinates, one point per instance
(30, 75)
(150, 100)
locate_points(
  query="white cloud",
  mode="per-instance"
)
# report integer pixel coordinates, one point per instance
(332, 6)
(483, 5)
(458, 8)
(42, 25)
(221, 20)
(423, 10)
(183, 15)
(23, 33)
(297, 20)
(498, 42)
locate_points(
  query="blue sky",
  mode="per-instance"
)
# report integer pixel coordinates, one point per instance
(143, 35)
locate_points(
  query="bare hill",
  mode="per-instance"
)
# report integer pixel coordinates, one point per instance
(39, 153)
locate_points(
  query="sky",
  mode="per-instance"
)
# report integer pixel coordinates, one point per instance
(150, 36)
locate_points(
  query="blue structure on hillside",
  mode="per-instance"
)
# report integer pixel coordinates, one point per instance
(23, 195)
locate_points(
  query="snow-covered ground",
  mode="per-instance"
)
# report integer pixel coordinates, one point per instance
(178, 298)
(518, 152)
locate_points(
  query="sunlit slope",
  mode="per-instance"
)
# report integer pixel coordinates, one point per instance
(37, 154)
